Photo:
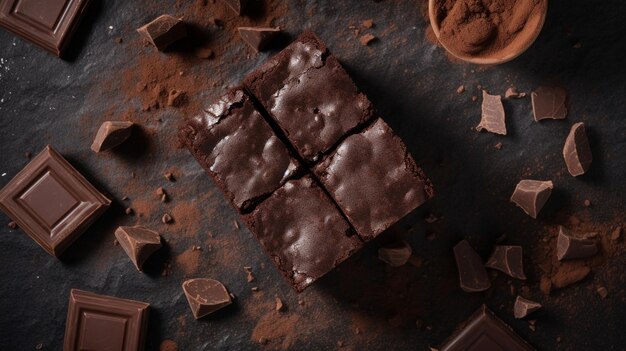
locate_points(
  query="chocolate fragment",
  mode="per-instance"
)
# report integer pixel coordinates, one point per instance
(603, 292)
(472, 274)
(569, 247)
(549, 102)
(258, 38)
(99, 322)
(205, 296)
(13, 225)
(280, 306)
(166, 218)
(52, 202)
(492, 117)
(368, 23)
(507, 259)
(531, 195)
(176, 98)
(138, 243)
(512, 93)
(576, 151)
(366, 39)
(616, 233)
(237, 5)
(111, 134)
(164, 31)
(396, 254)
(523, 307)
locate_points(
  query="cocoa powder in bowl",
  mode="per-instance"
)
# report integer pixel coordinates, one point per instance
(487, 31)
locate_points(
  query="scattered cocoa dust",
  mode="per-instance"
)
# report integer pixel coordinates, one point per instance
(168, 345)
(277, 329)
(187, 219)
(189, 261)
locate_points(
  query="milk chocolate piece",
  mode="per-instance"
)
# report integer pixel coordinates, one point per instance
(111, 134)
(472, 274)
(49, 24)
(52, 202)
(507, 259)
(523, 307)
(531, 195)
(483, 331)
(164, 31)
(549, 102)
(98, 322)
(492, 118)
(396, 254)
(138, 243)
(576, 150)
(236, 5)
(569, 247)
(205, 296)
(258, 37)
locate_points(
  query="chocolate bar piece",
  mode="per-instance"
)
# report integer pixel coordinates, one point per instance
(507, 259)
(164, 31)
(569, 247)
(138, 243)
(111, 134)
(52, 202)
(523, 307)
(98, 322)
(472, 274)
(303, 232)
(374, 179)
(205, 296)
(258, 38)
(395, 254)
(530, 195)
(576, 151)
(492, 118)
(549, 103)
(236, 5)
(235, 145)
(49, 24)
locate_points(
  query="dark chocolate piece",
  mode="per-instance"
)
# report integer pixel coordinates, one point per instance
(49, 24)
(531, 195)
(138, 243)
(205, 296)
(576, 151)
(99, 322)
(164, 31)
(523, 307)
(111, 134)
(303, 232)
(258, 37)
(237, 5)
(472, 274)
(374, 179)
(492, 118)
(549, 102)
(235, 145)
(52, 202)
(395, 254)
(485, 332)
(507, 259)
(569, 247)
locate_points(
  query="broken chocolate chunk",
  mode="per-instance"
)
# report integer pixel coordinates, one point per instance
(258, 37)
(492, 118)
(164, 31)
(205, 296)
(569, 247)
(531, 195)
(523, 307)
(236, 5)
(549, 102)
(576, 150)
(111, 134)
(366, 39)
(472, 274)
(396, 254)
(138, 243)
(507, 259)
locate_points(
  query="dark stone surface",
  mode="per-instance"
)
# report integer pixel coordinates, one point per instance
(44, 100)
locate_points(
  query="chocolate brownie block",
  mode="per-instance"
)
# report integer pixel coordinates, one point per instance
(374, 179)
(303, 231)
(235, 145)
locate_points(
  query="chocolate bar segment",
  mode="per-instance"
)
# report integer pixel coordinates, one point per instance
(472, 274)
(205, 296)
(530, 195)
(138, 243)
(507, 259)
(52, 202)
(576, 151)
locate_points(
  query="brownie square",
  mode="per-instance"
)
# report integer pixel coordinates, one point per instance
(236, 146)
(309, 96)
(374, 179)
(303, 231)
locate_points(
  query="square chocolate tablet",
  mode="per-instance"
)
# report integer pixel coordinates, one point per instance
(236, 146)
(47, 23)
(310, 96)
(303, 231)
(374, 179)
(98, 322)
(51, 201)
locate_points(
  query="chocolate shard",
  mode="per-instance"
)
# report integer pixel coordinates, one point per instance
(396, 254)
(138, 243)
(523, 307)
(237, 5)
(549, 103)
(164, 31)
(258, 37)
(507, 259)
(569, 247)
(111, 134)
(492, 118)
(531, 195)
(576, 150)
(205, 296)
(472, 274)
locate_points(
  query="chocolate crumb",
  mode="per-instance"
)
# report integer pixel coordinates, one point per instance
(512, 93)
(616, 233)
(39, 346)
(119, 40)
(176, 98)
(164, 198)
(12, 225)
(115, 242)
(301, 302)
(368, 23)
(587, 203)
(129, 211)
(263, 341)
(366, 39)
(460, 89)
(236, 224)
(255, 288)
(204, 53)
(602, 292)
(498, 146)
(280, 306)
(339, 343)
(169, 176)
(160, 191)
(166, 218)
(28, 154)
(125, 198)
(250, 277)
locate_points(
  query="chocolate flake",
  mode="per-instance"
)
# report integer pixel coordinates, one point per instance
(366, 39)
(602, 292)
(237, 5)
(492, 118)
(472, 274)
(166, 218)
(549, 102)
(258, 38)
(138, 243)
(368, 23)
(164, 31)
(569, 247)
(205, 296)
(531, 195)
(576, 150)
(523, 307)
(616, 233)
(507, 259)
(111, 134)
(396, 254)
(280, 306)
